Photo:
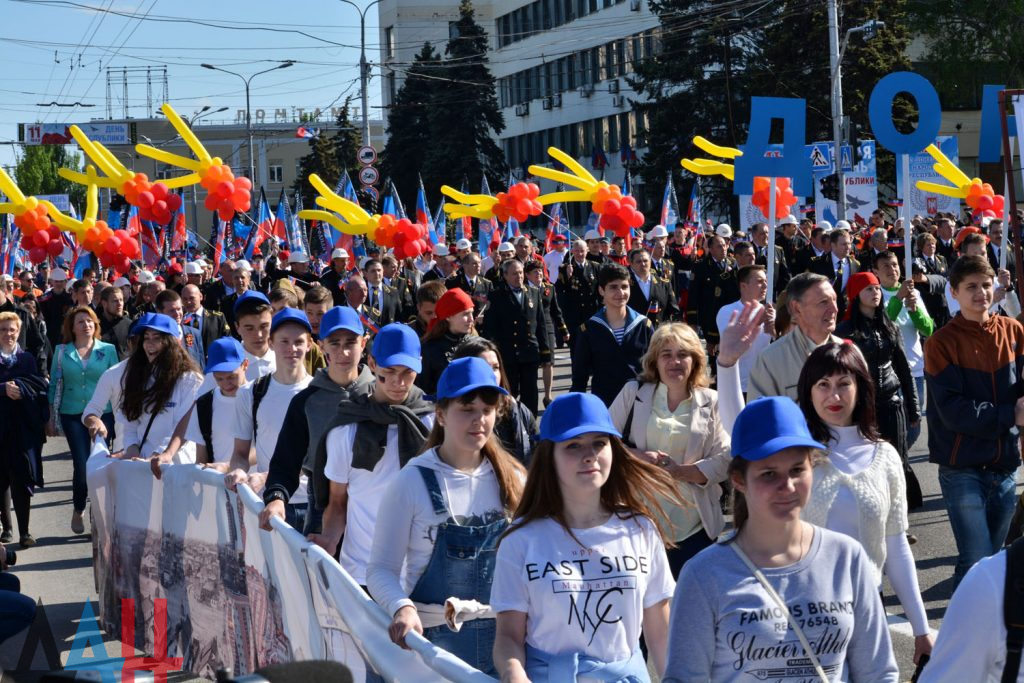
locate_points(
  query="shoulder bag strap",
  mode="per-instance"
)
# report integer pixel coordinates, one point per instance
(782, 605)
(627, 430)
(145, 434)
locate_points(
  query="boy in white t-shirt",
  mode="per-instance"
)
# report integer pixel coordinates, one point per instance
(260, 409)
(211, 425)
(253, 321)
(352, 469)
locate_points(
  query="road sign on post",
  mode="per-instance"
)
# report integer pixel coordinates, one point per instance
(368, 175)
(366, 155)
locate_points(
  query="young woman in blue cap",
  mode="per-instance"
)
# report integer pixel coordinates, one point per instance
(583, 568)
(859, 488)
(748, 608)
(158, 388)
(441, 518)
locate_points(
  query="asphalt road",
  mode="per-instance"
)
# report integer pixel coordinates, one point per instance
(58, 571)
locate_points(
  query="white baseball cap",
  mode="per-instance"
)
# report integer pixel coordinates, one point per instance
(363, 261)
(297, 257)
(724, 231)
(463, 244)
(506, 246)
(842, 225)
(122, 282)
(242, 264)
(591, 234)
(788, 220)
(145, 277)
(440, 250)
(58, 275)
(193, 268)
(657, 231)
(339, 253)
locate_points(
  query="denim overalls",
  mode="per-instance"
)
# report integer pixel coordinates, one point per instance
(461, 566)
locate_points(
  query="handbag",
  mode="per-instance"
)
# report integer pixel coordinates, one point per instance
(782, 605)
(58, 393)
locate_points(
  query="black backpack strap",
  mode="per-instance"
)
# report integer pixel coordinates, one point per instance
(627, 430)
(204, 415)
(259, 390)
(1013, 609)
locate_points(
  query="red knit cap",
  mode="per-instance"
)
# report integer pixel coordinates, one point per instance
(451, 302)
(856, 284)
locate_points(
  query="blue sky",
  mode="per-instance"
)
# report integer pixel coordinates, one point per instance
(59, 50)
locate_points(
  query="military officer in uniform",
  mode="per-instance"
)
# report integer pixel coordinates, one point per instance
(714, 285)
(469, 280)
(576, 288)
(515, 321)
(661, 262)
(649, 293)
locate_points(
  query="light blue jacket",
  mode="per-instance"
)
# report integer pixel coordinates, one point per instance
(79, 380)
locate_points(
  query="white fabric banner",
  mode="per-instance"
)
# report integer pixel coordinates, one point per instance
(238, 597)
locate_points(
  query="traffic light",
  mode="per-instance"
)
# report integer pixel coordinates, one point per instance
(830, 187)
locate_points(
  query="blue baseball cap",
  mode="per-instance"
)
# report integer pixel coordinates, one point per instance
(250, 295)
(464, 375)
(769, 425)
(159, 323)
(397, 344)
(290, 315)
(341, 318)
(143, 319)
(225, 355)
(573, 414)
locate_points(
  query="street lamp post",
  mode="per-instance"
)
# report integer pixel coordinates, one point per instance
(248, 108)
(364, 68)
(836, 51)
(202, 113)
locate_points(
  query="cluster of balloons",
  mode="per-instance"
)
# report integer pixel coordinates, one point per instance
(784, 198)
(983, 200)
(157, 204)
(114, 248)
(408, 239)
(227, 194)
(617, 213)
(39, 236)
(520, 202)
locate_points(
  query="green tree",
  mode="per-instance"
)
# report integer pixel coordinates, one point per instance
(409, 123)
(347, 139)
(464, 116)
(36, 173)
(697, 83)
(968, 44)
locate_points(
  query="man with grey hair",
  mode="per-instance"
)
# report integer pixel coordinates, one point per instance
(812, 308)
(576, 288)
(877, 243)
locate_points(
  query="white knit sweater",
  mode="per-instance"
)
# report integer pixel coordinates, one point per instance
(877, 508)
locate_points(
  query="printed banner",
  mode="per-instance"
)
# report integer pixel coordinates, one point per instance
(237, 597)
(921, 168)
(861, 181)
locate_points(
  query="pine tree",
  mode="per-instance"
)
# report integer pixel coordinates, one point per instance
(464, 116)
(347, 139)
(321, 160)
(408, 123)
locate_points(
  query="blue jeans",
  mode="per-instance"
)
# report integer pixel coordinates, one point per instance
(980, 504)
(295, 515)
(16, 610)
(80, 446)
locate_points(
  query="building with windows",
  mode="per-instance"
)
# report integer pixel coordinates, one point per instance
(560, 67)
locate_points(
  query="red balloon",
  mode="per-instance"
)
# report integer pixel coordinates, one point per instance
(225, 189)
(146, 200)
(984, 202)
(243, 183)
(27, 243)
(173, 201)
(55, 248)
(414, 249)
(41, 239)
(37, 254)
(226, 214)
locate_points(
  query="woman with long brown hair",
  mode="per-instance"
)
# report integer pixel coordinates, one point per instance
(583, 568)
(441, 518)
(158, 388)
(516, 425)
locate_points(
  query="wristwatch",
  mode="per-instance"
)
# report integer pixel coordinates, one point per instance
(271, 496)
(664, 461)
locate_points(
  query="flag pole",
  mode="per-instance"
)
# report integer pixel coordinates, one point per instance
(770, 256)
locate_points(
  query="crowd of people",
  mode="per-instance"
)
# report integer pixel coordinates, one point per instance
(389, 410)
